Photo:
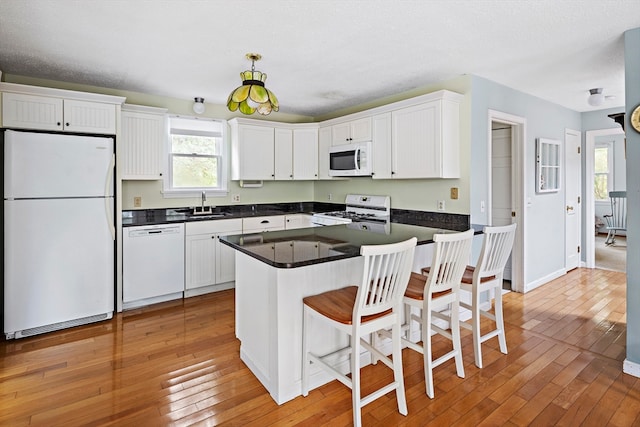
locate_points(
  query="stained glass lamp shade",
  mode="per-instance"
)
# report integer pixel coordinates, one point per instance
(253, 96)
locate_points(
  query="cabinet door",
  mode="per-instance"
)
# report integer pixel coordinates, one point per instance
(90, 117)
(256, 152)
(381, 146)
(415, 141)
(225, 259)
(305, 154)
(283, 156)
(200, 260)
(360, 130)
(31, 112)
(141, 145)
(324, 142)
(341, 133)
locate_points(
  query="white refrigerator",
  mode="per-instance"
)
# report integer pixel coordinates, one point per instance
(58, 231)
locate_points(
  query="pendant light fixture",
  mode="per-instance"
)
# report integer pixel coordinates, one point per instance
(253, 96)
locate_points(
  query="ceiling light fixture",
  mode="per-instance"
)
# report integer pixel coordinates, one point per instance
(253, 96)
(198, 105)
(596, 98)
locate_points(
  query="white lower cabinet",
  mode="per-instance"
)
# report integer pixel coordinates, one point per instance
(208, 262)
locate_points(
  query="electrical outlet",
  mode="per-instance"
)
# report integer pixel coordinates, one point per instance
(137, 202)
(454, 193)
(236, 197)
(440, 205)
(330, 197)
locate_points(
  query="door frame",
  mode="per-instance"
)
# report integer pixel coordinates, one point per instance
(589, 202)
(518, 172)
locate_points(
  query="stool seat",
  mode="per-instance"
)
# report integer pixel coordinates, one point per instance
(338, 305)
(415, 288)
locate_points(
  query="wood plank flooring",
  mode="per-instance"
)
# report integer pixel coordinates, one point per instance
(178, 363)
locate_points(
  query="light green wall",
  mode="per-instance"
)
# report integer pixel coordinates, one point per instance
(405, 194)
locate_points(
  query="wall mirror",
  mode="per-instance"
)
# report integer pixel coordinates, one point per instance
(547, 165)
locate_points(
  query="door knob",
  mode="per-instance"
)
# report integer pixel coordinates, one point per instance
(569, 208)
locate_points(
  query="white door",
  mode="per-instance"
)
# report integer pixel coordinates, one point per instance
(573, 189)
(501, 179)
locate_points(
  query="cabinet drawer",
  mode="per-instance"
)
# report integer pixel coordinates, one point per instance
(210, 227)
(263, 223)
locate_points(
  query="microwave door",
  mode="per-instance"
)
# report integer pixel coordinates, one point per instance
(342, 161)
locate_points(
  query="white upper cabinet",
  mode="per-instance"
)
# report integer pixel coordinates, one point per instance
(273, 151)
(305, 153)
(425, 140)
(381, 146)
(350, 132)
(283, 154)
(143, 135)
(252, 151)
(324, 142)
(31, 107)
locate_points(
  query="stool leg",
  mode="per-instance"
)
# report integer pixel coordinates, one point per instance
(500, 320)
(398, 375)
(355, 379)
(426, 345)
(475, 326)
(455, 336)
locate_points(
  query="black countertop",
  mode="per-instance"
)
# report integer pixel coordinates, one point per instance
(140, 217)
(307, 246)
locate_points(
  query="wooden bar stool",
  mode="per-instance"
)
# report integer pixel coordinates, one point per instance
(360, 311)
(485, 276)
(433, 295)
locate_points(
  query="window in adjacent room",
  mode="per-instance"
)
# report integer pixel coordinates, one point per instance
(603, 177)
(196, 157)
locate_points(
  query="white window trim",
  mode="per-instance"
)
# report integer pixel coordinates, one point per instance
(172, 193)
(611, 174)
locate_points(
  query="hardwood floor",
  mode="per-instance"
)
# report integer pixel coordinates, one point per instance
(178, 364)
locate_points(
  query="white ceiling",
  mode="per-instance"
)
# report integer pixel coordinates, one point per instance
(322, 55)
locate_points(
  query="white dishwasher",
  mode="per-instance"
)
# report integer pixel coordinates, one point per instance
(153, 264)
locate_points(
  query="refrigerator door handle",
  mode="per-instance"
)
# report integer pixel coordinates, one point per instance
(108, 198)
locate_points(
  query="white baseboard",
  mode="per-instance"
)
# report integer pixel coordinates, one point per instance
(546, 279)
(631, 368)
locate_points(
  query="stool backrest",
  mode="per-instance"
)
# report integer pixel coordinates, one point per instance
(496, 248)
(385, 277)
(450, 257)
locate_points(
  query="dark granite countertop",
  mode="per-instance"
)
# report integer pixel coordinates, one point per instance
(132, 218)
(307, 246)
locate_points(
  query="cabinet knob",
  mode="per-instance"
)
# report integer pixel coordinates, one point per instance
(58, 124)
(290, 176)
(66, 124)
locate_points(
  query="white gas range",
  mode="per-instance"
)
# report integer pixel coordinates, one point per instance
(369, 213)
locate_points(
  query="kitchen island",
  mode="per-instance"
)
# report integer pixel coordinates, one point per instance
(276, 270)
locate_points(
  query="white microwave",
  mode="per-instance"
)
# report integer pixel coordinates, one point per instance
(350, 159)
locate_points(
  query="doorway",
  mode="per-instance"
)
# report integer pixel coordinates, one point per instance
(506, 185)
(501, 188)
(591, 137)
